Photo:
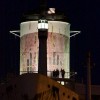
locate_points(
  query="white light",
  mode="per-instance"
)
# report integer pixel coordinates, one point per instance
(42, 24)
(51, 11)
(62, 83)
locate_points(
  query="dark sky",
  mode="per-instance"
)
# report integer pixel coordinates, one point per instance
(83, 15)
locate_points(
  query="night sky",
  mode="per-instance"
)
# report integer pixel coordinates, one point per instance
(83, 15)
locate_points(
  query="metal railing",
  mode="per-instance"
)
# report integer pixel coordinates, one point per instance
(50, 74)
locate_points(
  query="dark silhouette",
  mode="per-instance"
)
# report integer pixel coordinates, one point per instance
(57, 73)
(62, 73)
(54, 73)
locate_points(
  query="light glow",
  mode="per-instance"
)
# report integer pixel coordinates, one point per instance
(51, 11)
(42, 24)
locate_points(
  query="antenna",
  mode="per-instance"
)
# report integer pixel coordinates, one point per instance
(43, 3)
(76, 32)
(89, 77)
(43, 6)
(14, 33)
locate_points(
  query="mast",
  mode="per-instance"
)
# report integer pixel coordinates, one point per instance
(43, 6)
(89, 77)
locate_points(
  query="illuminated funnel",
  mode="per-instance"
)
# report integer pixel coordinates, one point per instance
(58, 44)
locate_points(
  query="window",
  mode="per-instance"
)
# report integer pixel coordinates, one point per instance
(27, 62)
(30, 59)
(54, 55)
(57, 59)
(27, 69)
